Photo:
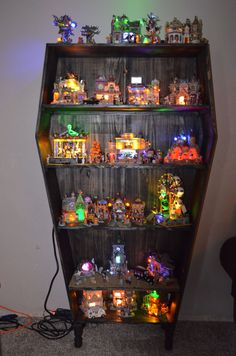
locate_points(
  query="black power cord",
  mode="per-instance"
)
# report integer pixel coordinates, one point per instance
(9, 322)
(54, 325)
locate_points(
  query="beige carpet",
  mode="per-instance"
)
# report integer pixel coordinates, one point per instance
(191, 338)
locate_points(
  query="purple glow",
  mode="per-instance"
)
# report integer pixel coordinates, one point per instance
(87, 266)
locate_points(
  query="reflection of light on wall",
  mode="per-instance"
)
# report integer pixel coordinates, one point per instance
(23, 61)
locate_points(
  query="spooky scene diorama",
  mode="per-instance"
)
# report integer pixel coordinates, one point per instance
(72, 147)
(158, 270)
(108, 91)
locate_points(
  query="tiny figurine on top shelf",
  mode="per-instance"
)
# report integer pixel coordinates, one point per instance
(183, 92)
(65, 28)
(184, 150)
(69, 90)
(68, 147)
(172, 210)
(178, 32)
(107, 91)
(139, 94)
(89, 32)
(153, 29)
(125, 31)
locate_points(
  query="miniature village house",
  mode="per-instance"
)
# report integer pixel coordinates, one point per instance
(123, 30)
(69, 90)
(107, 91)
(129, 147)
(139, 94)
(178, 32)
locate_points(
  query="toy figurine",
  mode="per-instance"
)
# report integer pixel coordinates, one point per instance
(65, 26)
(89, 32)
(152, 28)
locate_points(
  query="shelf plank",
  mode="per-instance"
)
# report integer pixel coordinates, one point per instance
(115, 282)
(166, 166)
(150, 108)
(114, 316)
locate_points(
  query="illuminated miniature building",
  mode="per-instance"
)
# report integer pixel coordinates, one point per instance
(69, 216)
(178, 32)
(183, 92)
(184, 150)
(118, 299)
(196, 30)
(102, 211)
(123, 30)
(137, 212)
(129, 147)
(95, 155)
(153, 306)
(139, 94)
(182, 97)
(174, 31)
(107, 91)
(172, 210)
(69, 147)
(118, 263)
(69, 91)
(125, 301)
(92, 304)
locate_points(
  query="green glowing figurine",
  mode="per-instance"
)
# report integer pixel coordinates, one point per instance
(70, 131)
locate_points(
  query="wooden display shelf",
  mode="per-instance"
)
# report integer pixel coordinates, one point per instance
(186, 227)
(166, 166)
(114, 316)
(115, 282)
(51, 108)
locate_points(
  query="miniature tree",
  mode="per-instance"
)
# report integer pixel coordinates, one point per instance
(89, 32)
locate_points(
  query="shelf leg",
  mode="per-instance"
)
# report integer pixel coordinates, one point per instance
(78, 330)
(169, 335)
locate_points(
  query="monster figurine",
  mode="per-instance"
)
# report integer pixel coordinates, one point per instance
(65, 26)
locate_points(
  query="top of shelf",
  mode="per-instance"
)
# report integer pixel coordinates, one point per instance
(113, 50)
